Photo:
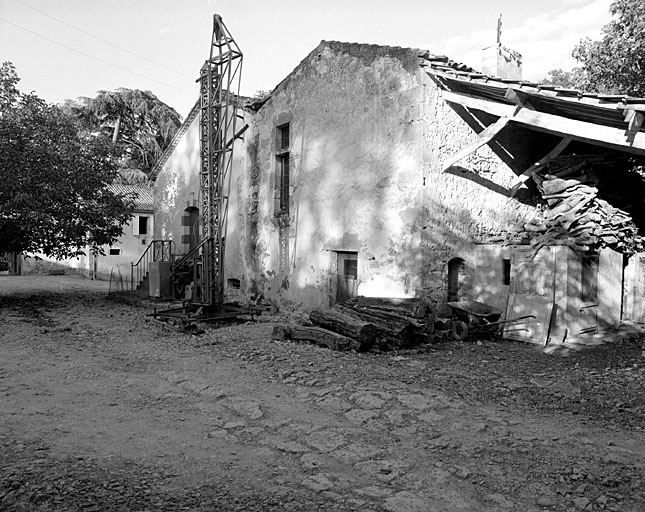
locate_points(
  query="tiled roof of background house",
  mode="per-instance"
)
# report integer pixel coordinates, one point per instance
(144, 199)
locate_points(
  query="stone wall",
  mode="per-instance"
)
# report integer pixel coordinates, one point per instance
(369, 131)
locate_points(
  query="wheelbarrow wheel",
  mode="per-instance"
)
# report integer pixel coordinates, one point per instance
(459, 330)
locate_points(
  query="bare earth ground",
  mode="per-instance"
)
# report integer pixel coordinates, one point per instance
(101, 409)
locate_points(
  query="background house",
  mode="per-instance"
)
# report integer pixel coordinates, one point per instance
(134, 241)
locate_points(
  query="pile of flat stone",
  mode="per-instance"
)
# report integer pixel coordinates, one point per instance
(576, 215)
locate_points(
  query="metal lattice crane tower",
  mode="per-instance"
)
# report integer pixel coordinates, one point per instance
(219, 97)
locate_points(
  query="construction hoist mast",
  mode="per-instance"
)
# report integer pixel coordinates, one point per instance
(219, 97)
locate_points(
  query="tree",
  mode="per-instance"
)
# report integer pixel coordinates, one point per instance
(139, 125)
(54, 195)
(616, 63)
(565, 79)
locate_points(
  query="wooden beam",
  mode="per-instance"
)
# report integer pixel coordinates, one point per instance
(519, 98)
(598, 135)
(468, 101)
(538, 165)
(484, 137)
(634, 124)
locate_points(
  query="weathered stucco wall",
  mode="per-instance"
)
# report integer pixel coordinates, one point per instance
(101, 267)
(177, 185)
(177, 188)
(368, 133)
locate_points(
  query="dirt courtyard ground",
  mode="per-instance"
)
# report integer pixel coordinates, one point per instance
(103, 409)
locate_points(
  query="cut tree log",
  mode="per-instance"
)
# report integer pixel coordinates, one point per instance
(323, 337)
(391, 332)
(413, 308)
(341, 323)
(281, 332)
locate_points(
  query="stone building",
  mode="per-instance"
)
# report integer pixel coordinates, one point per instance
(338, 187)
(383, 171)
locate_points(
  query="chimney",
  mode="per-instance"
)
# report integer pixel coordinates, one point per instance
(499, 61)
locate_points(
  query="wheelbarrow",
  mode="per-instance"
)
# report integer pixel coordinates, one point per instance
(473, 317)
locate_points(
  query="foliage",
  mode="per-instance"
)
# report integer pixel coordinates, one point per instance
(565, 79)
(261, 95)
(8, 80)
(132, 177)
(616, 63)
(54, 195)
(139, 125)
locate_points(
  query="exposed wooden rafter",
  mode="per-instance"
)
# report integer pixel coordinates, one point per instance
(537, 166)
(484, 137)
(591, 133)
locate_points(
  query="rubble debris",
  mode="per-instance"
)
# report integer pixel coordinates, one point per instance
(591, 202)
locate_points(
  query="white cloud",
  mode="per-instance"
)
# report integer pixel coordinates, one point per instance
(545, 40)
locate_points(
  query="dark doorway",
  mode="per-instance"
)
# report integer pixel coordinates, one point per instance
(346, 275)
(456, 278)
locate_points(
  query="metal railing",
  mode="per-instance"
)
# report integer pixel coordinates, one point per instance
(189, 255)
(157, 250)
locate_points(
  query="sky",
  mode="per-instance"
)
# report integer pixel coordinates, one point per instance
(72, 48)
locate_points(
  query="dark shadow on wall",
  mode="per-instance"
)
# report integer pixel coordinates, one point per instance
(523, 195)
(434, 232)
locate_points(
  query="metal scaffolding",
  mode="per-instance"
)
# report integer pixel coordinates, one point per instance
(219, 97)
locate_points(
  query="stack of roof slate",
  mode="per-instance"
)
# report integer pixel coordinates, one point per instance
(576, 215)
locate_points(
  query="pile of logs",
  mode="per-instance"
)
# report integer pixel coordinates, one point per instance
(367, 324)
(575, 215)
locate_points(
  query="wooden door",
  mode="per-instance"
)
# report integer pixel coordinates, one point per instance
(346, 276)
(532, 294)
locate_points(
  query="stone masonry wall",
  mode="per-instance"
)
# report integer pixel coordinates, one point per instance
(368, 131)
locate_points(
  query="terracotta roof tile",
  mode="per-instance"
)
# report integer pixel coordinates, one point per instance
(144, 200)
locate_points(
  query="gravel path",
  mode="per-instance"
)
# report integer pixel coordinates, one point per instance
(102, 408)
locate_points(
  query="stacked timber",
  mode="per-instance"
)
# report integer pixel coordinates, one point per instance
(337, 321)
(575, 214)
(318, 336)
(364, 324)
(400, 323)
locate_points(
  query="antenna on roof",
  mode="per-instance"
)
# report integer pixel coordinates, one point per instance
(499, 30)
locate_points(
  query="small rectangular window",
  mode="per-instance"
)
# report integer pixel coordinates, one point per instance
(350, 268)
(283, 178)
(283, 169)
(507, 271)
(589, 278)
(143, 225)
(115, 252)
(282, 138)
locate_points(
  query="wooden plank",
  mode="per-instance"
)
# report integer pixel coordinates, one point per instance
(599, 135)
(519, 98)
(538, 165)
(484, 137)
(634, 124)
